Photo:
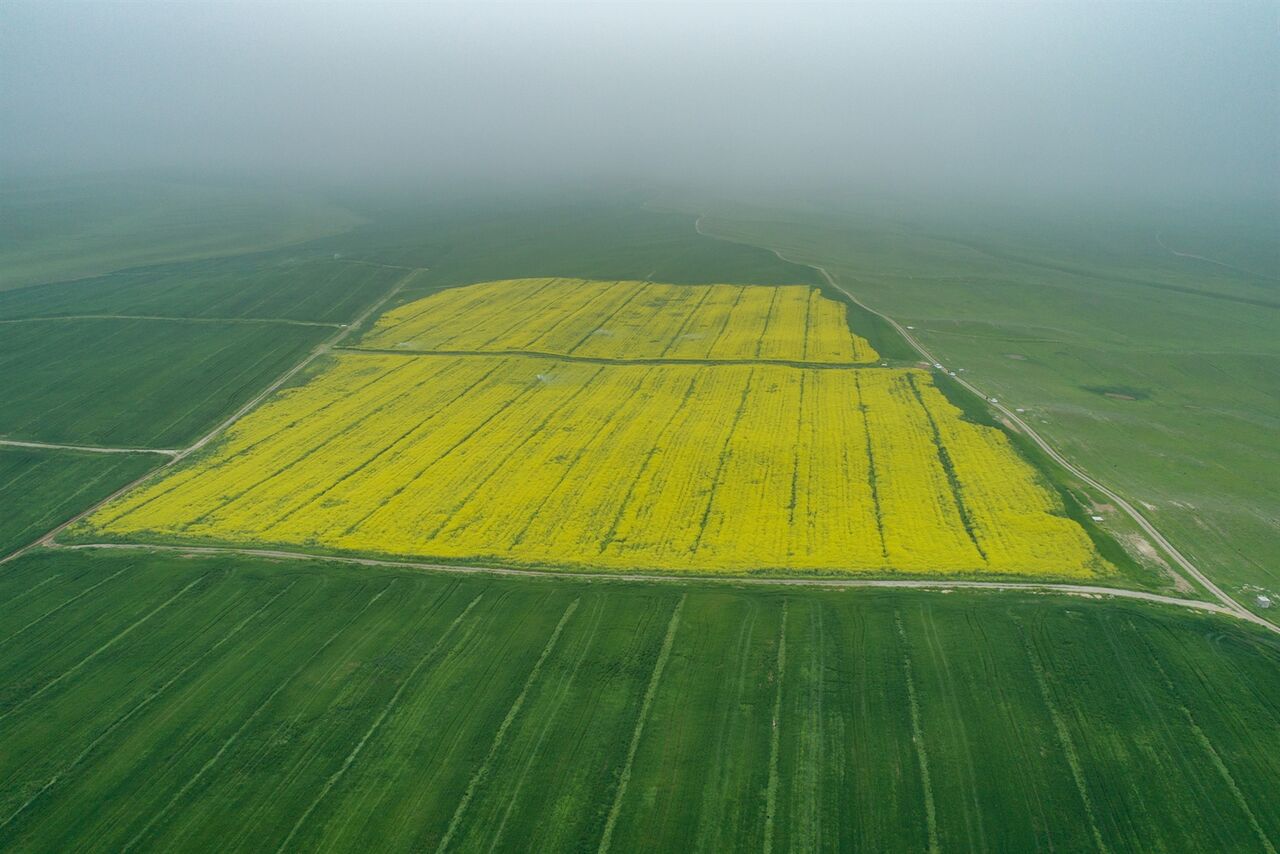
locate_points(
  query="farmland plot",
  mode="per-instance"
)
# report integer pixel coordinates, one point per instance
(156, 702)
(519, 460)
(136, 383)
(278, 285)
(41, 488)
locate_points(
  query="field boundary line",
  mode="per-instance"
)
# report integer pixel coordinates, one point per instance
(139, 706)
(1083, 590)
(75, 668)
(377, 722)
(652, 361)
(512, 713)
(92, 449)
(319, 350)
(659, 666)
(771, 790)
(226, 745)
(1227, 601)
(174, 318)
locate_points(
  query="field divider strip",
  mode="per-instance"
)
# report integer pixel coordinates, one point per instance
(142, 704)
(377, 722)
(92, 449)
(235, 736)
(941, 584)
(663, 654)
(653, 361)
(75, 668)
(500, 735)
(174, 318)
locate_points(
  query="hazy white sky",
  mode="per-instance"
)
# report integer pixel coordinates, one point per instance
(1141, 97)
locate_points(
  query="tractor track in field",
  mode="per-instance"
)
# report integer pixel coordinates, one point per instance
(173, 318)
(941, 584)
(1226, 603)
(176, 456)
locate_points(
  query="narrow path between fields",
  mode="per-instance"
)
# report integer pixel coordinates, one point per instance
(658, 361)
(941, 584)
(1228, 603)
(93, 449)
(177, 319)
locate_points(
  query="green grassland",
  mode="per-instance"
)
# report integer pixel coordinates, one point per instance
(1159, 374)
(289, 285)
(164, 702)
(55, 230)
(137, 383)
(41, 489)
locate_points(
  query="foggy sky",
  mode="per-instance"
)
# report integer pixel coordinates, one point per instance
(1143, 98)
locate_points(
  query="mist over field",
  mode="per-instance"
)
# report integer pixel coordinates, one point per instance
(1144, 100)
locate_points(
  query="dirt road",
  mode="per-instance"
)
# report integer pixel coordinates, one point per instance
(942, 584)
(93, 449)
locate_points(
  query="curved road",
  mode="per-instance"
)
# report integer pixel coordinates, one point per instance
(1227, 603)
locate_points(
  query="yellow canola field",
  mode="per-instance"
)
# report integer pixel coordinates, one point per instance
(627, 320)
(531, 461)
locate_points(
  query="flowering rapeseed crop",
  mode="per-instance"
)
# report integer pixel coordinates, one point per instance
(715, 467)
